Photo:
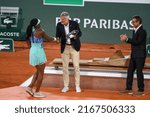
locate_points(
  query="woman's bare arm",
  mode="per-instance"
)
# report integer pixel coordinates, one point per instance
(45, 36)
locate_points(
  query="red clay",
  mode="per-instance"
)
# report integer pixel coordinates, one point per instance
(15, 68)
(19, 93)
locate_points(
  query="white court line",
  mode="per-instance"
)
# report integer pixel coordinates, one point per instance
(27, 82)
(88, 72)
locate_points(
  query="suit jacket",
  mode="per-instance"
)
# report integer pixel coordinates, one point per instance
(60, 32)
(138, 43)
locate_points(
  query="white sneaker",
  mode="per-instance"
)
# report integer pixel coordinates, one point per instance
(39, 95)
(65, 89)
(78, 89)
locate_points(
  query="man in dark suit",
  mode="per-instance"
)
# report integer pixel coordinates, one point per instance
(138, 55)
(70, 47)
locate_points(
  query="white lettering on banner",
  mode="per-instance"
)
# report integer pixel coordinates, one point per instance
(10, 34)
(103, 23)
(94, 24)
(74, 19)
(114, 24)
(57, 20)
(131, 28)
(77, 20)
(124, 25)
(109, 25)
(86, 22)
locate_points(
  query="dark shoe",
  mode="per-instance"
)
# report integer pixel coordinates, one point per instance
(29, 91)
(140, 93)
(129, 92)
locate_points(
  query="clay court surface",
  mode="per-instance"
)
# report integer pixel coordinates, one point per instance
(15, 69)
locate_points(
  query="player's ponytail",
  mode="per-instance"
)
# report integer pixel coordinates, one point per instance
(30, 27)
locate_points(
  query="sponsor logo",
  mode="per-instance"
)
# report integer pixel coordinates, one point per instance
(81, 2)
(8, 22)
(4, 47)
(64, 2)
(106, 24)
(9, 17)
(9, 34)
